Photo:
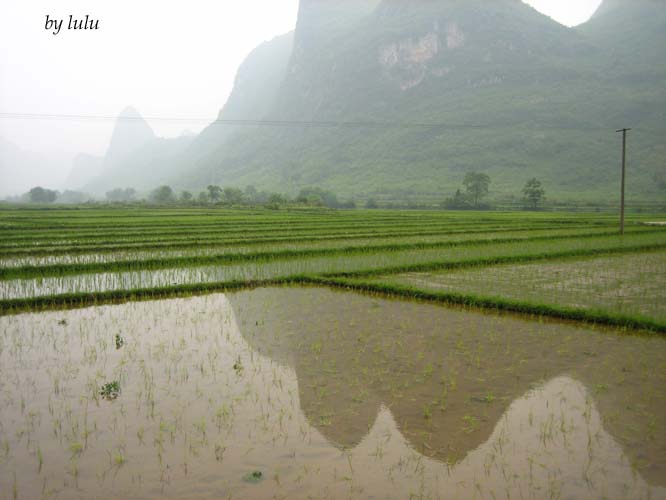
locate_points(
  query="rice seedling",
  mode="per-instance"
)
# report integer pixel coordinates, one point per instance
(110, 390)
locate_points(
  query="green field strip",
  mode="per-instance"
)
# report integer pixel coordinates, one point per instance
(250, 223)
(74, 240)
(123, 253)
(120, 222)
(336, 266)
(222, 259)
(269, 218)
(626, 283)
(78, 300)
(119, 219)
(75, 300)
(236, 230)
(94, 216)
(498, 260)
(129, 232)
(225, 242)
(599, 317)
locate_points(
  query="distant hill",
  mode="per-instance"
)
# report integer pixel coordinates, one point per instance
(85, 168)
(21, 169)
(518, 94)
(255, 92)
(136, 157)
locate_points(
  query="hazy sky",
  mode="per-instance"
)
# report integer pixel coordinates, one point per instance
(167, 58)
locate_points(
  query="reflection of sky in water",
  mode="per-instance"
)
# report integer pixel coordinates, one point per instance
(190, 425)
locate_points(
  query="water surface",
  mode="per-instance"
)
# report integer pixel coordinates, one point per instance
(327, 395)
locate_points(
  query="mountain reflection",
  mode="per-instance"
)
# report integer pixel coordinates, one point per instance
(467, 389)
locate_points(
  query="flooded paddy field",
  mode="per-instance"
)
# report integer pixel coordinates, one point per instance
(98, 278)
(125, 372)
(627, 283)
(314, 393)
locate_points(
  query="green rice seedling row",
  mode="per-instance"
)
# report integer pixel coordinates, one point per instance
(289, 254)
(630, 284)
(122, 253)
(52, 254)
(364, 264)
(192, 240)
(237, 231)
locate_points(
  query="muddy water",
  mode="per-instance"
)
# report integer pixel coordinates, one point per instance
(324, 394)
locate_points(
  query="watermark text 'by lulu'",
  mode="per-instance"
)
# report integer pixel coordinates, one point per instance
(55, 25)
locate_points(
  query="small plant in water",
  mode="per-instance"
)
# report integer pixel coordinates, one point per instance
(238, 366)
(471, 424)
(110, 390)
(427, 412)
(253, 477)
(219, 452)
(119, 341)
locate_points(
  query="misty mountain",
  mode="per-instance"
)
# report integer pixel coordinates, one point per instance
(255, 92)
(130, 134)
(136, 157)
(516, 95)
(21, 169)
(84, 169)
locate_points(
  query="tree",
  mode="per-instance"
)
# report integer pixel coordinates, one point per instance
(163, 194)
(186, 196)
(251, 193)
(214, 193)
(233, 196)
(458, 202)
(203, 197)
(121, 195)
(476, 185)
(371, 204)
(40, 195)
(316, 196)
(533, 192)
(275, 200)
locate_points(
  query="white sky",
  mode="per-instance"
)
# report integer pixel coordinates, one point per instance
(167, 58)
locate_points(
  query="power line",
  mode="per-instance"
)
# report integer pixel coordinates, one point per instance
(290, 123)
(271, 123)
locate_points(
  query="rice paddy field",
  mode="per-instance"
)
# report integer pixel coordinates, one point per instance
(205, 353)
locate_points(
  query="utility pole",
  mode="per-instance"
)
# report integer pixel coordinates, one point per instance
(624, 170)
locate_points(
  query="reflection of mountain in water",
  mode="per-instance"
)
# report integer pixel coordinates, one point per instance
(449, 376)
(550, 443)
(211, 409)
